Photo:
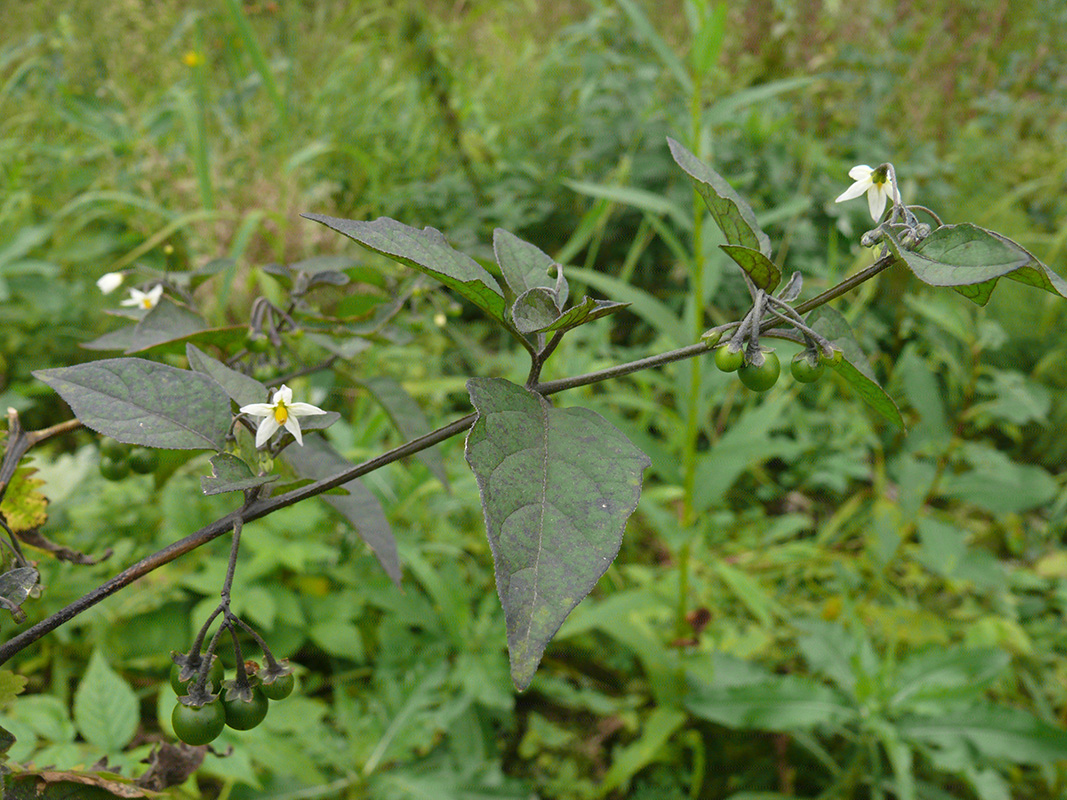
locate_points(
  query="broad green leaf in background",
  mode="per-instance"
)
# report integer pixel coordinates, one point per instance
(557, 487)
(854, 367)
(732, 214)
(317, 460)
(231, 474)
(11, 685)
(428, 252)
(525, 266)
(142, 402)
(995, 731)
(759, 268)
(407, 416)
(971, 260)
(242, 389)
(627, 761)
(784, 704)
(106, 710)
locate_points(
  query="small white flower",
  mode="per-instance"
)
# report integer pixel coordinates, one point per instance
(110, 282)
(146, 300)
(281, 411)
(876, 183)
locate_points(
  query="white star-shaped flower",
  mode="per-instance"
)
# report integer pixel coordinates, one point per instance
(146, 300)
(876, 183)
(280, 412)
(110, 282)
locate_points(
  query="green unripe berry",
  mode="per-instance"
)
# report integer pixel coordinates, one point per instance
(197, 726)
(281, 688)
(242, 715)
(729, 360)
(761, 377)
(143, 460)
(113, 449)
(114, 470)
(807, 367)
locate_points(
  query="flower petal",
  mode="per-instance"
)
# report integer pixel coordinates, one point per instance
(258, 409)
(855, 190)
(293, 427)
(110, 282)
(860, 172)
(876, 198)
(284, 394)
(154, 294)
(266, 429)
(303, 409)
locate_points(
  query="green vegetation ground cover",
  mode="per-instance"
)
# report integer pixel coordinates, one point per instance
(813, 541)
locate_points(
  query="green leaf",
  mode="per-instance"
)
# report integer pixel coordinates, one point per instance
(24, 508)
(106, 709)
(142, 402)
(428, 252)
(627, 761)
(525, 266)
(11, 685)
(939, 673)
(854, 367)
(732, 214)
(15, 586)
(242, 389)
(317, 460)
(587, 310)
(785, 704)
(972, 259)
(408, 418)
(231, 474)
(996, 732)
(760, 269)
(646, 201)
(535, 309)
(557, 487)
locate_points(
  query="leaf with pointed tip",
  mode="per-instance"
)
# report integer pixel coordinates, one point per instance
(757, 266)
(408, 418)
(853, 367)
(231, 474)
(535, 309)
(793, 288)
(557, 487)
(971, 260)
(142, 402)
(732, 214)
(318, 460)
(587, 310)
(242, 389)
(525, 266)
(426, 251)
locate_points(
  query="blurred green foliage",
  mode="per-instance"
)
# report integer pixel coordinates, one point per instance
(811, 556)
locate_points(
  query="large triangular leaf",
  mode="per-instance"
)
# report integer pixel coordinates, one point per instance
(142, 402)
(557, 487)
(732, 214)
(854, 367)
(317, 460)
(426, 251)
(242, 389)
(971, 260)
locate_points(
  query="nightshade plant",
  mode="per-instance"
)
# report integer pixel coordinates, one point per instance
(557, 484)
